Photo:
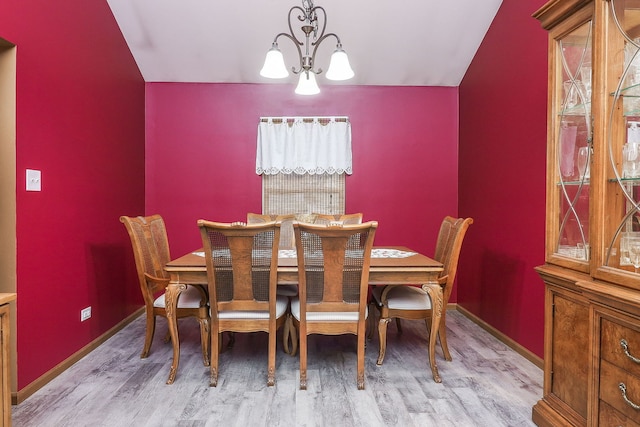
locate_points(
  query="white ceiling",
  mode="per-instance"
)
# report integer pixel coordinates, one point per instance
(392, 43)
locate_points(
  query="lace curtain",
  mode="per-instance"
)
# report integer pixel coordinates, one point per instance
(320, 145)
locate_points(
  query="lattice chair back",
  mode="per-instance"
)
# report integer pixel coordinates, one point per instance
(151, 250)
(287, 241)
(243, 261)
(448, 247)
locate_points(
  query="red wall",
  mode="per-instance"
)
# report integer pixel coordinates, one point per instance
(502, 175)
(201, 142)
(80, 120)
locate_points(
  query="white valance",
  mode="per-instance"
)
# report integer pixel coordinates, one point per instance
(303, 145)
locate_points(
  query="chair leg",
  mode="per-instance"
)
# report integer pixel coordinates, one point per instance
(442, 334)
(148, 336)
(216, 342)
(289, 335)
(271, 368)
(286, 333)
(220, 343)
(303, 361)
(293, 337)
(232, 339)
(204, 339)
(293, 333)
(399, 326)
(360, 378)
(371, 321)
(382, 337)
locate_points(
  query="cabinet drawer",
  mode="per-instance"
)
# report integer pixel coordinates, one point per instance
(610, 378)
(611, 349)
(610, 417)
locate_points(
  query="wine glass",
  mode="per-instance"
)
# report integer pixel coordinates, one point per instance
(634, 252)
(583, 162)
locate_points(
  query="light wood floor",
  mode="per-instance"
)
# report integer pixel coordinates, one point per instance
(486, 384)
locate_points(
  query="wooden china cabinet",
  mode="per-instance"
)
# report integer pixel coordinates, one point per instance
(592, 263)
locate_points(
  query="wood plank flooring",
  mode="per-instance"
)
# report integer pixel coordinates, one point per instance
(486, 384)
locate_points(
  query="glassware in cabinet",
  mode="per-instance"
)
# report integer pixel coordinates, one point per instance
(621, 210)
(570, 228)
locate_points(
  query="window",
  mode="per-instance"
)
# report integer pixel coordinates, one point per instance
(303, 163)
(303, 194)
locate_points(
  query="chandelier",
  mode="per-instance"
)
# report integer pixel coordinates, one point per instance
(339, 68)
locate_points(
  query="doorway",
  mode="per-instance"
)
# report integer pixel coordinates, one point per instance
(8, 186)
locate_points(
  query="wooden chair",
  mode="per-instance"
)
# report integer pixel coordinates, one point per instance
(287, 242)
(410, 302)
(242, 262)
(320, 219)
(151, 251)
(355, 218)
(333, 275)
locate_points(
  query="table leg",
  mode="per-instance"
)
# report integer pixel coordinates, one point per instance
(172, 293)
(435, 293)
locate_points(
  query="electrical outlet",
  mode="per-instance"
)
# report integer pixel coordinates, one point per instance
(85, 313)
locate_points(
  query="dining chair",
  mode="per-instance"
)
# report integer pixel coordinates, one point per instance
(320, 219)
(242, 262)
(287, 242)
(151, 252)
(333, 275)
(355, 218)
(413, 303)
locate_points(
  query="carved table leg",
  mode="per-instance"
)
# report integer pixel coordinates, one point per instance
(172, 293)
(382, 338)
(435, 293)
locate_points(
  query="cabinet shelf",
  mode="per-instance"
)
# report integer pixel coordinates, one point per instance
(584, 183)
(632, 91)
(632, 181)
(581, 110)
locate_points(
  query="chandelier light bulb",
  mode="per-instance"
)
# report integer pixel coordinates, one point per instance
(307, 84)
(274, 67)
(339, 68)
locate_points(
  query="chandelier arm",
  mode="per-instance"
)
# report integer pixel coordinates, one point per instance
(316, 45)
(297, 44)
(300, 18)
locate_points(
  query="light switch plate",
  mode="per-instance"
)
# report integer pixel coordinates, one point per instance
(33, 180)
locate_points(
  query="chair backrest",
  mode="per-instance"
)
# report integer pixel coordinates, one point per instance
(345, 219)
(151, 251)
(448, 246)
(333, 266)
(242, 262)
(287, 240)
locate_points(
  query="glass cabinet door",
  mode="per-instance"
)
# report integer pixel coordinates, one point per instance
(620, 212)
(568, 231)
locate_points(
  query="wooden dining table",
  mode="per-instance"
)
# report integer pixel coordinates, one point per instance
(390, 266)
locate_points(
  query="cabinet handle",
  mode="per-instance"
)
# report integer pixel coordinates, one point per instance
(623, 389)
(625, 348)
